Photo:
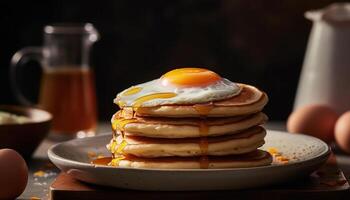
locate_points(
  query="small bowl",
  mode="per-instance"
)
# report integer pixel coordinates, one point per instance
(25, 137)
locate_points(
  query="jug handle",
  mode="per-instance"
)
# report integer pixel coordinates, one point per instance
(19, 59)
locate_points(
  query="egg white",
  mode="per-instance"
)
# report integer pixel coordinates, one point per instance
(222, 89)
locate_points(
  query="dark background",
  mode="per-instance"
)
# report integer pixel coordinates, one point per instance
(251, 41)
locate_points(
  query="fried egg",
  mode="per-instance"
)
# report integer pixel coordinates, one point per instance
(179, 86)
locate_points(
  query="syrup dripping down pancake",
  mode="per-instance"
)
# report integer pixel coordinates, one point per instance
(244, 142)
(183, 128)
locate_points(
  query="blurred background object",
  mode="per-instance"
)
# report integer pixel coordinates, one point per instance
(324, 88)
(13, 173)
(67, 87)
(256, 42)
(342, 131)
(325, 75)
(316, 119)
(24, 136)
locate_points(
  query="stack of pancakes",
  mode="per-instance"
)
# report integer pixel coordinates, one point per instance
(217, 134)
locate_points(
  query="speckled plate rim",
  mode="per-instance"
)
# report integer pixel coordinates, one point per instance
(322, 156)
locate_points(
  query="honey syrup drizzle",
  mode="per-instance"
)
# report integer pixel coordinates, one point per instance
(203, 109)
(102, 161)
(115, 161)
(113, 145)
(121, 146)
(204, 162)
(139, 101)
(119, 125)
(121, 103)
(203, 143)
(131, 91)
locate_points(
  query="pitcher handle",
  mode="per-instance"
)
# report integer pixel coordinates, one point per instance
(19, 59)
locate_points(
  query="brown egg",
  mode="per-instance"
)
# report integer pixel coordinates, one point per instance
(316, 120)
(342, 132)
(13, 174)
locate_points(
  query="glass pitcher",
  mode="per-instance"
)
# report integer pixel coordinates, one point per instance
(67, 88)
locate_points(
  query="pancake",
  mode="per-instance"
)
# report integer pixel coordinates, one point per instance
(184, 128)
(250, 100)
(244, 142)
(252, 159)
(189, 118)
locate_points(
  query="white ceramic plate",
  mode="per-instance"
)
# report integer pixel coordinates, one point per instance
(306, 153)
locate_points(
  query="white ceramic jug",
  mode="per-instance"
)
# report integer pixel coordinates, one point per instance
(325, 77)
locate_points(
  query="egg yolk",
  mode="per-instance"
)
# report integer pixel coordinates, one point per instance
(190, 77)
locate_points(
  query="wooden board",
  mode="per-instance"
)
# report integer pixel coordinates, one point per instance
(326, 183)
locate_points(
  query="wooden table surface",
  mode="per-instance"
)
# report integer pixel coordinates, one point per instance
(42, 173)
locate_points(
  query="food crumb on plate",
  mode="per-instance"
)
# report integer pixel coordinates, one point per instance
(39, 173)
(44, 174)
(277, 156)
(92, 154)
